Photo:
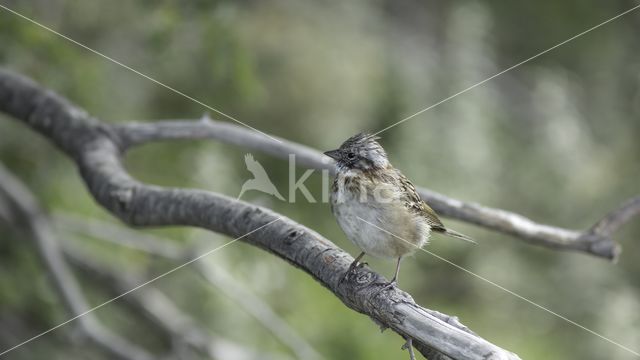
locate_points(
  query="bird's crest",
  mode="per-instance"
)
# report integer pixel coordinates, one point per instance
(361, 140)
(360, 151)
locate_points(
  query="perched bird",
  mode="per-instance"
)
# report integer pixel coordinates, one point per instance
(376, 206)
(260, 181)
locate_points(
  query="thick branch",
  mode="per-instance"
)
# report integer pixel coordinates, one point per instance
(29, 215)
(598, 244)
(96, 148)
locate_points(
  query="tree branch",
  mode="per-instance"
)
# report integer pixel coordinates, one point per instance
(217, 277)
(613, 220)
(28, 213)
(158, 309)
(599, 244)
(97, 148)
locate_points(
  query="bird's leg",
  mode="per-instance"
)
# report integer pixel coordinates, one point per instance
(356, 261)
(409, 346)
(354, 264)
(393, 281)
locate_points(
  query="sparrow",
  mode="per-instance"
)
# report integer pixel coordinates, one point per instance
(368, 194)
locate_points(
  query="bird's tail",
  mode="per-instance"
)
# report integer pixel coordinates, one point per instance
(458, 235)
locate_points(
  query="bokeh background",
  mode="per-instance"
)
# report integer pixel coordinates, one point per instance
(557, 139)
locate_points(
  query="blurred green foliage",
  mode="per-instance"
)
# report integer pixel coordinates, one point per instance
(556, 139)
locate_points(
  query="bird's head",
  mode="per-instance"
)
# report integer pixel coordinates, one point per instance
(360, 152)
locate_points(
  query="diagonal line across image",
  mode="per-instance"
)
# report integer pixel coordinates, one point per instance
(4, 352)
(508, 69)
(274, 139)
(506, 290)
(170, 88)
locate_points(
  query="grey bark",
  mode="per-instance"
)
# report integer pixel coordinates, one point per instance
(218, 277)
(97, 149)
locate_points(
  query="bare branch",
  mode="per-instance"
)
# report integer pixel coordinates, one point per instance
(598, 244)
(218, 276)
(30, 216)
(97, 148)
(616, 218)
(157, 308)
(121, 236)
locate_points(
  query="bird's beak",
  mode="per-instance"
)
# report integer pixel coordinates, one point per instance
(334, 154)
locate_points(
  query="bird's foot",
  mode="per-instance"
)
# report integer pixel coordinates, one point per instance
(391, 284)
(356, 264)
(344, 277)
(409, 346)
(352, 267)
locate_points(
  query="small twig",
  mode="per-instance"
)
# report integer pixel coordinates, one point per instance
(616, 218)
(603, 231)
(122, 236)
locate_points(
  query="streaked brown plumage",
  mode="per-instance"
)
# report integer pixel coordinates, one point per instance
(369, 194)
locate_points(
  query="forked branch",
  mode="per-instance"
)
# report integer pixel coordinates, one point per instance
(28, 216)
(97, 149)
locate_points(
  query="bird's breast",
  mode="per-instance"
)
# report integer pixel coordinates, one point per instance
(374, 217)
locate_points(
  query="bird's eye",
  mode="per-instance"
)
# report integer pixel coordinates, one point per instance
(351, 156)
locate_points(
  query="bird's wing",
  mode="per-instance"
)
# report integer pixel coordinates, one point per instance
(415, 203)
(432, 218)
(420, 207)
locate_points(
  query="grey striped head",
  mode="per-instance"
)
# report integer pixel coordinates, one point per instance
(361, 152)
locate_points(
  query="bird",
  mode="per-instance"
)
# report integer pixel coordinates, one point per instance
(260, 181)
(377, 207)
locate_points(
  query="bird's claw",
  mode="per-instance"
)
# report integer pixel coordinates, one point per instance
(344, 277)
(391, 284)
(346, 273)
(352, 267)
(356, 264)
